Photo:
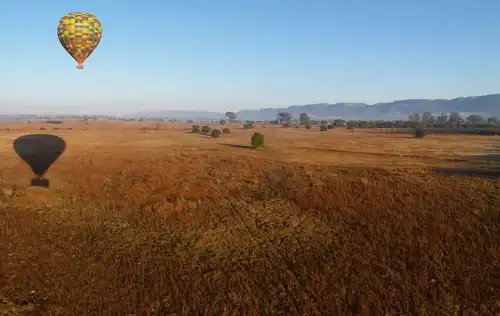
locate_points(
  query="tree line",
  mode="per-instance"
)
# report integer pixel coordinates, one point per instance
(426, 119)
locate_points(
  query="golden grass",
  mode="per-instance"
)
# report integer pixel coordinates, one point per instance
(151, 222)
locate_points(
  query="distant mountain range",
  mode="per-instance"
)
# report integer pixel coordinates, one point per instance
(487, 105)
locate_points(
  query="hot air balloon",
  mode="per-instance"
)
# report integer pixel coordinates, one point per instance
(79, 34)
(39, 151)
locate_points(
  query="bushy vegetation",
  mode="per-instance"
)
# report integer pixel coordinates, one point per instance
(442, 123)
(231, 116)
(323, 128)
(226, 131)
(205, 130)
(215, 133)
(308, 126)
(195, 129)
(257, 140)
(419, 132)
(248, 125)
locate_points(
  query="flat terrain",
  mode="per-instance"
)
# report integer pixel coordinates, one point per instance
(139, 221)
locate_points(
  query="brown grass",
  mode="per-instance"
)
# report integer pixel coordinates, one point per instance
(151, 222)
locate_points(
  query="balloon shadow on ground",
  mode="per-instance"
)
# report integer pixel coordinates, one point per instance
(487, 165)
(39, 151)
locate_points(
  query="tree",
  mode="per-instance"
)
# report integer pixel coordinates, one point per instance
(443, 117)
(455, 118)
(231, 116)
(339, 122)
(427, 117)
(304, 118)
(492, 120)
(257, 140)
(284, 117)
(215, 133)
(474, 118)
(415, 117)
(206, 130)
(420, 132)
(352, 124)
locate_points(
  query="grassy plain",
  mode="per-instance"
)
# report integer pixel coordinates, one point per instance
(152, 222)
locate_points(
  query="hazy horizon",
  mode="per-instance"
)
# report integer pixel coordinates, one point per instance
(81, 111)
(241, 55)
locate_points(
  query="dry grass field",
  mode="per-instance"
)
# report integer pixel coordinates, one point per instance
(166, 222)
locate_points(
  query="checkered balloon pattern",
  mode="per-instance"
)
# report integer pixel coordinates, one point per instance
(79, 34)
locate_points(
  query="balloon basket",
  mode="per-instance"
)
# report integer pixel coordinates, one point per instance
(79, 66)
(40, 182)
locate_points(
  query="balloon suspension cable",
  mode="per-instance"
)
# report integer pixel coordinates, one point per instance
(79, 66)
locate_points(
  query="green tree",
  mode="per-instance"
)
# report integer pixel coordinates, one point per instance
(352, 124)
(443, 117)
(257, 140)
(215, 133)
(248, 125)
(455, 119)
(426, 117)
(420, 132)
(284, 117)
(339, 122)
(475, 118)
(206, 130)
(304, 118)
(231, 116)
(415, 117)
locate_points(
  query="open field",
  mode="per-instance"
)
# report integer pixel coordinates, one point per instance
(152, 222)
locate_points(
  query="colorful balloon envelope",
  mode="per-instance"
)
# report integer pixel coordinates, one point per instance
(79, 34)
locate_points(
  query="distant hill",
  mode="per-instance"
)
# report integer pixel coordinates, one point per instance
(487, 105)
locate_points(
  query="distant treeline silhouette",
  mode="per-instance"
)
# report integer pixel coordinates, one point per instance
(443, 123)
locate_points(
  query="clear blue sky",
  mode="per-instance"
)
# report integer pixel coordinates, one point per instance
(237, 54)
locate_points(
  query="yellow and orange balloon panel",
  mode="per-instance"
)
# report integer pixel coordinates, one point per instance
(79, 34)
